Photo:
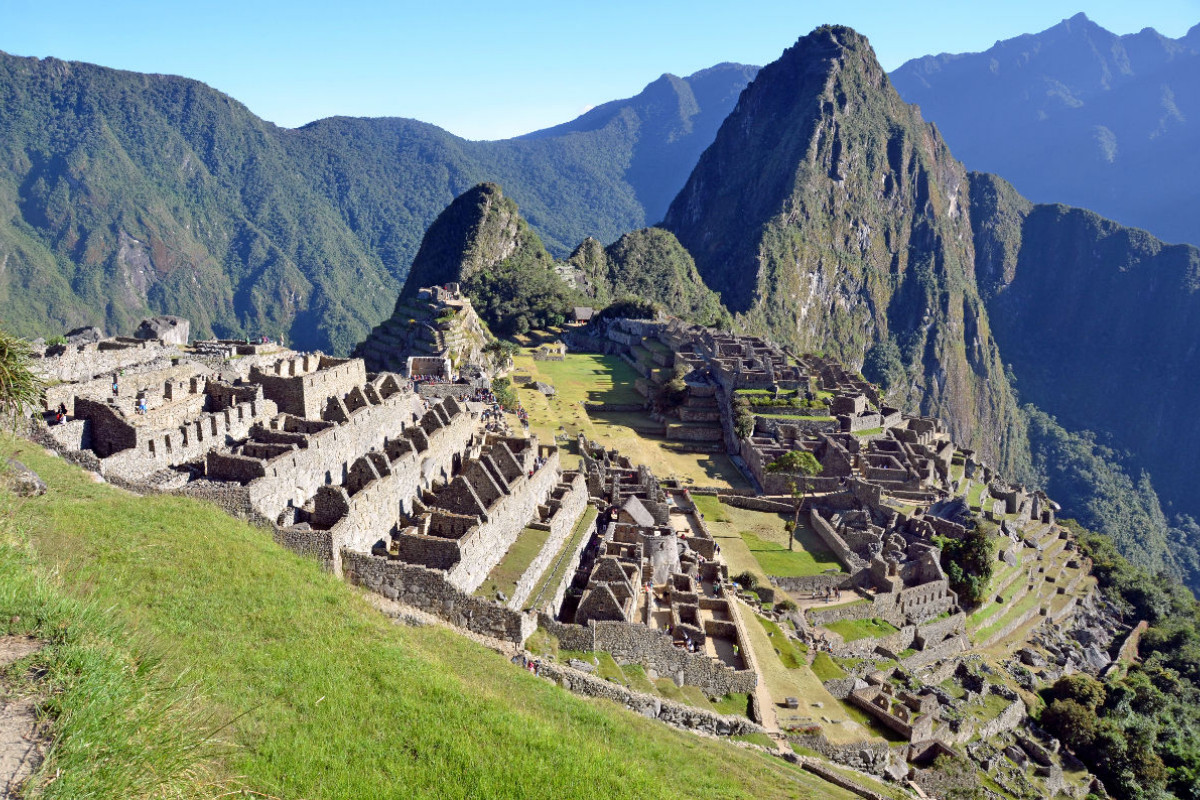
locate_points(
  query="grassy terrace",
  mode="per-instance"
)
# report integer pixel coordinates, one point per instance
(811, 556)
(168, 619)
(1031, 600)
(756, 541)
(783, 680)
(504, 576)
(854, 629)
(655, 346)
(556, 572)
(825, 669)
(583, 378)
(791, 653)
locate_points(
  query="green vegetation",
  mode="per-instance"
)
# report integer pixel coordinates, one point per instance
(297, 667)
(710, 506)
(307, 233)
(802, 465)
(743, 417)
(814, 558)
(790, 653)
(651, 264)
(760, 739)
(1098, 489)
(853, 629)
(825, 669)
(969, 563)
(504, 576)
(20, 389)
(1137, 729)
(505, 394)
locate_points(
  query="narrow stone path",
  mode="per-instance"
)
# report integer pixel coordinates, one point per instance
(20, 748)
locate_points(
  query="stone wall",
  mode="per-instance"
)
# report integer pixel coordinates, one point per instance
(69, 363)
(568, 572)
(668, 711)
(638, 644)
(871, 756)
(304, 385)
(850, 560)
(429, 591)
(155, 449)
(814, 583)
(291, 478)
(482, 548)
(565, 513)
(570, 637)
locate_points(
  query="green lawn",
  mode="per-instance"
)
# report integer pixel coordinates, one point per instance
(825, 669)
(320, 695)
(504, 576)
(791, 653)
(853, 629)
(595, 378)
(811, 556)
(710, 507)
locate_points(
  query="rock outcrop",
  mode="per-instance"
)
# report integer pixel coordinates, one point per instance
(165, 328)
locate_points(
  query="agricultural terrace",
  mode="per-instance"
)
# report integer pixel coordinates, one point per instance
(587, 378)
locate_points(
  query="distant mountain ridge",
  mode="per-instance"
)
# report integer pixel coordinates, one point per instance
(123, 195)
(1077, 115)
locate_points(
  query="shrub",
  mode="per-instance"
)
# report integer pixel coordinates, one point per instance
(747, 580)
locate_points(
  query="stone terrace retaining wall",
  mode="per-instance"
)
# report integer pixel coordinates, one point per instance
(484, 546)
(568, 572)
(429, 590)
(561, 524)
(870, 757)
(668, 711)
(638, 644)
(814, 583)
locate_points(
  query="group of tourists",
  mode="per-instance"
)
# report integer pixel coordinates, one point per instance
(826, 594)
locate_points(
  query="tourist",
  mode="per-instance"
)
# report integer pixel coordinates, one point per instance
(116, 388)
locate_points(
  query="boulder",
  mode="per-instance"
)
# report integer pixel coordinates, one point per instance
(21, 480)
(85, 335)
(167, 329)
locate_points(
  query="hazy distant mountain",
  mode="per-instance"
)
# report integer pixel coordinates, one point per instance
(1077, 115)
(123, 194)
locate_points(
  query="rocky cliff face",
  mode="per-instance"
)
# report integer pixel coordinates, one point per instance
(1101, 324)
(829, 215)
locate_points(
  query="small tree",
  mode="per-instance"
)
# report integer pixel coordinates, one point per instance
(20, 388)
(805, 465)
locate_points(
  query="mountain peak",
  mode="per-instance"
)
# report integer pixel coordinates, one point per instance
(479, 229)
(830, 216)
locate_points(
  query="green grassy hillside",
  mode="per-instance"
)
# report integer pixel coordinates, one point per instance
(319, 694)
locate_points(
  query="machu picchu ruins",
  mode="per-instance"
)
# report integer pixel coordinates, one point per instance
(402, 472)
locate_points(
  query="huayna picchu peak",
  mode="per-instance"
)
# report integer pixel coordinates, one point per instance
(828, 214)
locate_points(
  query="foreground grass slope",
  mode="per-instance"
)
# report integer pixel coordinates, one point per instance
(319, 695)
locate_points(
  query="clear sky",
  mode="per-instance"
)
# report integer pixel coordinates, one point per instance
(488, 70)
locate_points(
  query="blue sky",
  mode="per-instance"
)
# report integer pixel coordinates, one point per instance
(487, 70)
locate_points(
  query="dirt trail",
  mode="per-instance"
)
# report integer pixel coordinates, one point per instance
(20, 747)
